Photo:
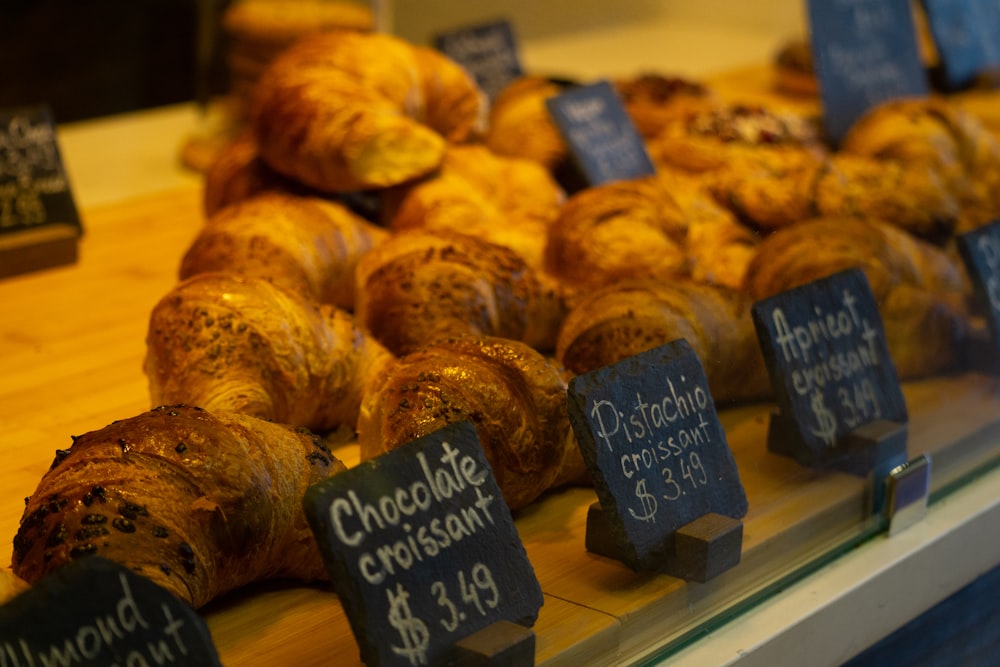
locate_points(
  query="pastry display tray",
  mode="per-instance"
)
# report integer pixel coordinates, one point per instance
(72, 341)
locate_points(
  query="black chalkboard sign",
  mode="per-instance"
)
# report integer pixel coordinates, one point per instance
(961, 35)
(489, 52)
(422, 549)
(865, 52)
(39, 224)
(650, 435)
(980, 250)
(826, 353)
(600, 134)
(95, 612)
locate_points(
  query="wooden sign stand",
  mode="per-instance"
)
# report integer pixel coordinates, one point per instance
(701, 550)
(502, 643)
(871, 450)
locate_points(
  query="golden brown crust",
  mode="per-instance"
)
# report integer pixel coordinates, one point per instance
(625, 319)
(520, 125)
(305, 244)
(228, 342)
(653, 100)
(344, 111)
(421, 285)
(237, 173)
(507, 201)
(200, 503)
(920, 290)
(931, 133)
(514, 396)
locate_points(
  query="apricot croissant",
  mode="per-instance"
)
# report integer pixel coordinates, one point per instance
(200, 503)
(921, 290)
(228, 342)
(342, 111)
(305, 244)
(515, 397)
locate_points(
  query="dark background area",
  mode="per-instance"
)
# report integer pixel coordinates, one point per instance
(92, 58)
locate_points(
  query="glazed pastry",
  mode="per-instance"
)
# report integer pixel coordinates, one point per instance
(237, 173)
(200, 503)
(515, 397)
(305, 244)
(421, 285)
(508, 201)
(771, 194)
(921, 291)
(239, 343)
(726, 134)
(652, 100)
(344, 111)
(932, 133)
(630, 317)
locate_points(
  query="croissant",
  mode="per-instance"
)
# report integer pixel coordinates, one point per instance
(306, 244)
(237, 173)
(772, 194)
(422, 285)
(662, 226)
(200, 503)
(515, 397)
(921, 291)
(343, 111)
(624, 319)
(229, 342)
(519, 122)
(933, 133)
(505, 200)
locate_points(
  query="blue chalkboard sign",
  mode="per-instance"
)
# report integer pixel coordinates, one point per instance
(825, 349)
(422, 549)
(96, 612)
(962, 34)
(489, 52)
(651, 438)
(980, 250)
(601, 135)
(865, 52)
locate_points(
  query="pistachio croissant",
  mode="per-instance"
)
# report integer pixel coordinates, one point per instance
(200, 503)
(229, 342)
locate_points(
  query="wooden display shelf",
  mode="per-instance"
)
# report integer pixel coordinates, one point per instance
(72, 341)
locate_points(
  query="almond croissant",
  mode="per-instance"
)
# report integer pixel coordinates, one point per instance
(515, 397)
(306, 244)
(228, 342)
(200, 503)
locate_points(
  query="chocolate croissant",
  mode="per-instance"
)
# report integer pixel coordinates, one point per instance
(630, 317)
(228, 342)
(200, 503)
(305, 244)
(515, 397)
(921, 290)
(343, 111)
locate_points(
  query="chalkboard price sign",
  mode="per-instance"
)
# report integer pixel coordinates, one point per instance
(601, 135)
(489, 52)
(39, 225)
(865, 53)
(422, 549)
(95, 612)
(962, 34)
(980, 250)
(658, 456)
(826, 353)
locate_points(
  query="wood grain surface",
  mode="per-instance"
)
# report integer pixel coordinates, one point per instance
(72, 341)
